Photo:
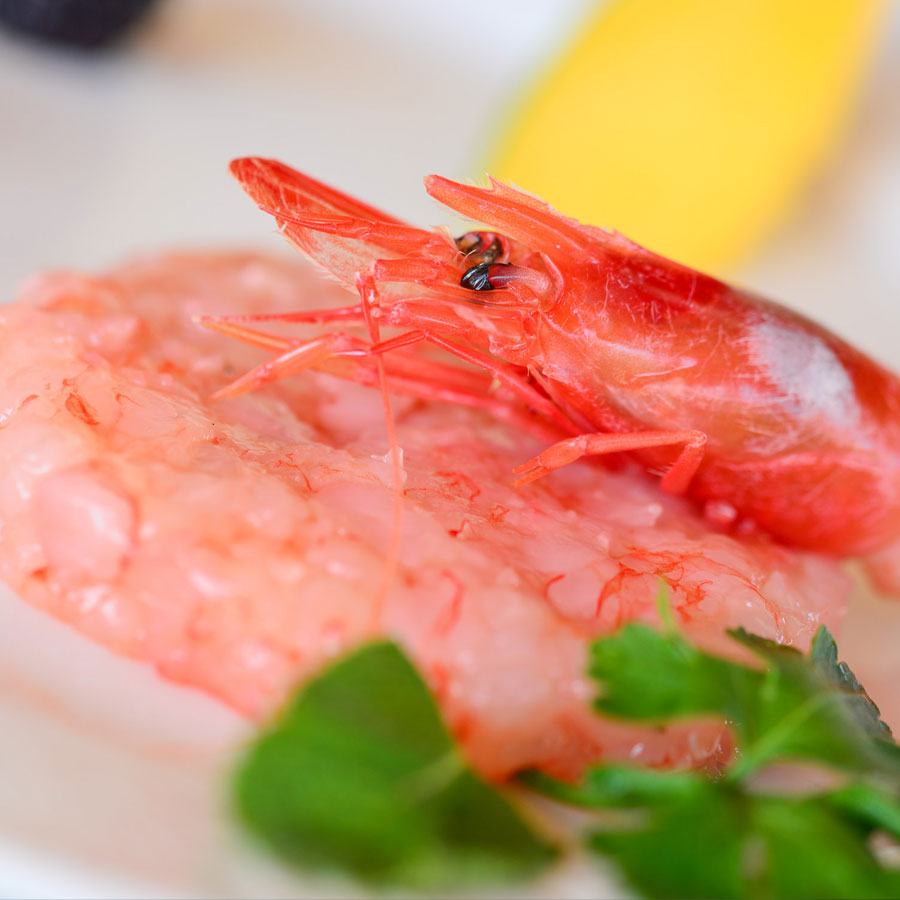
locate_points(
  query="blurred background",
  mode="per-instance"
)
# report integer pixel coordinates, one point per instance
(759, 140)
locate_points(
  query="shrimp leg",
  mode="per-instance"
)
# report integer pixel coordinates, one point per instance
(317, 316)
(675, 481)
(414, 376)
(502, 373)
(297, 357)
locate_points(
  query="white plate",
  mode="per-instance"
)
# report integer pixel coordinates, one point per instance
(111, 781)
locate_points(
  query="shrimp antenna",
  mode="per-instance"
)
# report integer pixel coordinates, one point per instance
(365, 284)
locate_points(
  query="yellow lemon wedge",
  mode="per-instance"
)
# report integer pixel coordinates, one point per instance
(691, 125)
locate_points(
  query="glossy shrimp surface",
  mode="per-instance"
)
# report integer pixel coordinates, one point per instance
(236, 544)
(766, 420)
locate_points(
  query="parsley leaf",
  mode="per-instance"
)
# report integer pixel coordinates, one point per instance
(824, 656)
(698, 837)
(722, 842)
(797, 707)
(359, 774)
(688, 834)
(648, 675)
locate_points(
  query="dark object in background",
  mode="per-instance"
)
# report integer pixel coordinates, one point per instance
(79, 23)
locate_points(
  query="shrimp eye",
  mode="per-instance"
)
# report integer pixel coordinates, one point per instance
(478, 278)
(491, 276)
(481, 247)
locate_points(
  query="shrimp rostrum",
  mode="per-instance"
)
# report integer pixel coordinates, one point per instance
(765, 419)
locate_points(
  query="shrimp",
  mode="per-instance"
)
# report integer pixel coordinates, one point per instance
(763, 418)
(237, 546)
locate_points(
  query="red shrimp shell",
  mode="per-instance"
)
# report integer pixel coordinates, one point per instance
(802, 430)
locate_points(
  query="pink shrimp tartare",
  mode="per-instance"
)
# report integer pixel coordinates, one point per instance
(236, 545)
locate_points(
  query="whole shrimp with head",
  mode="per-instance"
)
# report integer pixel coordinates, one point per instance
(766, 419)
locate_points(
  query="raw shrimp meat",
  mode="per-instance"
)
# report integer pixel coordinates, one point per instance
(234, 544)
(761, 416)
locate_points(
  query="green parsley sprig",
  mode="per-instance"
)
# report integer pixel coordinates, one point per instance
(699, 835)
(358, 774)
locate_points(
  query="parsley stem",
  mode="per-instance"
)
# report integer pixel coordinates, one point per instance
(765, 749)
(421, 786)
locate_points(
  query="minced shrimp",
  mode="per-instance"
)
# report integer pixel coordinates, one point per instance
(235, 545)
